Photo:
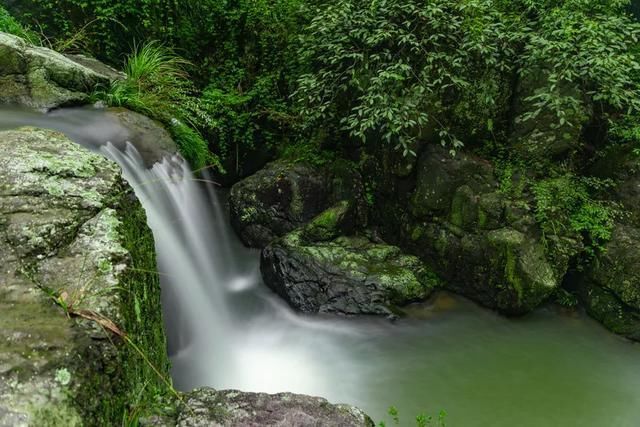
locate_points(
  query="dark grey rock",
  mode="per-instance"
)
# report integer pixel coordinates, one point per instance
(346, 275)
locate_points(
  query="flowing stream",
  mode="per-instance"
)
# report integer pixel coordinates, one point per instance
(227, 330)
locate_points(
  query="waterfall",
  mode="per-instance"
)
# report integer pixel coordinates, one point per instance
(207, 293)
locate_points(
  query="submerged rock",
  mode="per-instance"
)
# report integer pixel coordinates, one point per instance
(206, 407)
(316, 270)
(41, 78)
(65, 260)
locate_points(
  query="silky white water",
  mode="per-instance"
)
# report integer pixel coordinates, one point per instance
(227, 330)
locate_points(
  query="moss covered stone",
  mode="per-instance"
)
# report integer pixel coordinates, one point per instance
(41, 78)
(348, 275)
(610, 287)
(73, 238)
(527, 278)
(283, 196)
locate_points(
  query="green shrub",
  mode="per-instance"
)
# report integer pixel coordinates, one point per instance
(9, 25)
(564, 206)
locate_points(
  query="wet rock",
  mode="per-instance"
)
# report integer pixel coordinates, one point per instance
(41, 78)
(60, 241)
(345, 275)
(610, 288)
(482, 241)
(285, 195)
(150, 138)
(207, 407)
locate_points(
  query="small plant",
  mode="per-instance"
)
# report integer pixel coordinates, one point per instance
(422, 420)
(8, 24)
(157, 85)
(564, 205)
(565, 298)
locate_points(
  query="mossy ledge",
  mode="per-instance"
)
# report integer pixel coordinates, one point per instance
(75, 261)
(142, 365)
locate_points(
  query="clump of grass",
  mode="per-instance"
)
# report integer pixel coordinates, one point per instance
(157, 85)
(8, 24)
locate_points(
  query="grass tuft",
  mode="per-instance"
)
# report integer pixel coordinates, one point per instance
(157, 85)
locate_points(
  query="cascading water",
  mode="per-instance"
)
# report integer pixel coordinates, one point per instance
(227, 330)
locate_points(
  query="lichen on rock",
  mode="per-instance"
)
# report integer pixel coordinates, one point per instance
(62, 248)
(316, 269)
(41, 78)
(206, 407)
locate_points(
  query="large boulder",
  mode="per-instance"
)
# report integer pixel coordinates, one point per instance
(41, 78)
(210, 408)
(483, 241)
(316, 270)
(70, 233)
(285, 195)
(610, 288)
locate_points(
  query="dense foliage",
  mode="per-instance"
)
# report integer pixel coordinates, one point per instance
(400, 70)
(304, 79)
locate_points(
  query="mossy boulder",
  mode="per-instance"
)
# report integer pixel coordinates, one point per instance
(284, 195)
(610, 287)
(345, 275)
(206, 407)
(483, 241)
(70, 233)
(41, 78)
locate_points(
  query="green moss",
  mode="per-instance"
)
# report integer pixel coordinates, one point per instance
(403, 278)
(121, 372)
(297, 201)
(511, 272)
(416, 233)
(141, 307)
(482, 219)
(328, 224)
(56, 415)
